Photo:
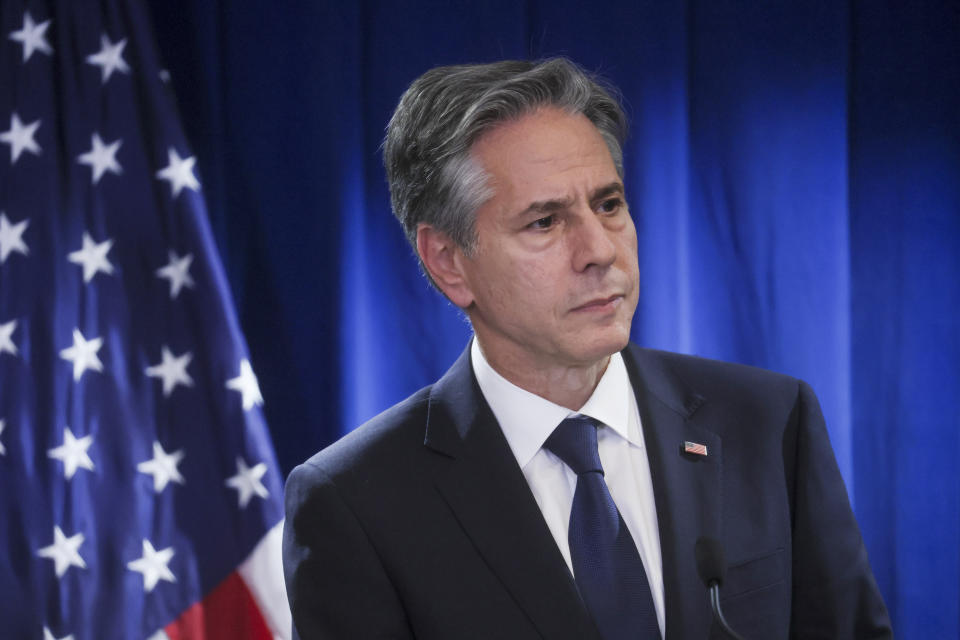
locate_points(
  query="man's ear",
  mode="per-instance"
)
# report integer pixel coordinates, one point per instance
(444, 261)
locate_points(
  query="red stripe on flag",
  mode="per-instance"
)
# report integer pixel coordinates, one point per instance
(227, 613)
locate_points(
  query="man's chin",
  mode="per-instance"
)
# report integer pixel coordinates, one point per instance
(602, 347)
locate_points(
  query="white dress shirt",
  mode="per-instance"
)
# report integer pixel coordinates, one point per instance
(527, 420)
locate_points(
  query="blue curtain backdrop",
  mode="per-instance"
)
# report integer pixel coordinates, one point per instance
(793, 170)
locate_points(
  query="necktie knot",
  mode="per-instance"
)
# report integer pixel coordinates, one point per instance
(575, 442)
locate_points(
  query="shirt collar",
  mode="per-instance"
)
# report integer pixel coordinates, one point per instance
(527, 420)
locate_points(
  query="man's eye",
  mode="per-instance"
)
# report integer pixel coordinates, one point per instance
(611, 205)
(542, 223)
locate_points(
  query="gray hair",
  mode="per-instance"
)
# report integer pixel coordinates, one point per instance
(433, 178)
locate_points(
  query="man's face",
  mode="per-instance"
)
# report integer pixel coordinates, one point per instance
(554, 277)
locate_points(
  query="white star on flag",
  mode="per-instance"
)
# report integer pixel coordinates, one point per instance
(20, 138)
(177, 271)
(48, 635)
(92, 256)
(31, 36)
(3, 424)
(6, 337)
(153, 565)
(179, 172)
(163, 467)
(109, 58)
(101, 157)
(83, 354)
(246, 384)
(11, 237)
(172, 369)
(64, 552)
(73, 453)
(247, 482)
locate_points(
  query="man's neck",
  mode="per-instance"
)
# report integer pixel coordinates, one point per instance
(567, 386)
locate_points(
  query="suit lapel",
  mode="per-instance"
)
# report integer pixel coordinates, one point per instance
(686, 487)
(480, 480)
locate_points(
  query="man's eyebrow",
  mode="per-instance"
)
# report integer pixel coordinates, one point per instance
(548, 207)
(606, 190)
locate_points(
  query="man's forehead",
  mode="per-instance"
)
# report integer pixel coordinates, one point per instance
(546, 155)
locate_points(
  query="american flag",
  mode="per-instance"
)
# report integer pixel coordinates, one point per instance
(139, 492)
(695, 448)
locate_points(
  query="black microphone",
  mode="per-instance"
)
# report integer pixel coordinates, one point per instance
(712, 567)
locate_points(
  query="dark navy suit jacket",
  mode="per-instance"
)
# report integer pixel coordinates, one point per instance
(420, 523)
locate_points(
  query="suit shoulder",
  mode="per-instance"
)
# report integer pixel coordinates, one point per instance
(718, 378)
(385, 437)
(698, 365)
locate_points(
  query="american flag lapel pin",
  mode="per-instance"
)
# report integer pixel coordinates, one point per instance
(695, 448)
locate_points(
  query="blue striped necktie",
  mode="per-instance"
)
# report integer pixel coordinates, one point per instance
(606, 564)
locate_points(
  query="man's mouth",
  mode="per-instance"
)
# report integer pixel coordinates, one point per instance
(600, 304)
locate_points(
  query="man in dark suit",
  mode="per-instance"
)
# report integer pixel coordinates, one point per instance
(554, 482)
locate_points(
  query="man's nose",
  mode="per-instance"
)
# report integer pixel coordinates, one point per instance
(592, 243)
